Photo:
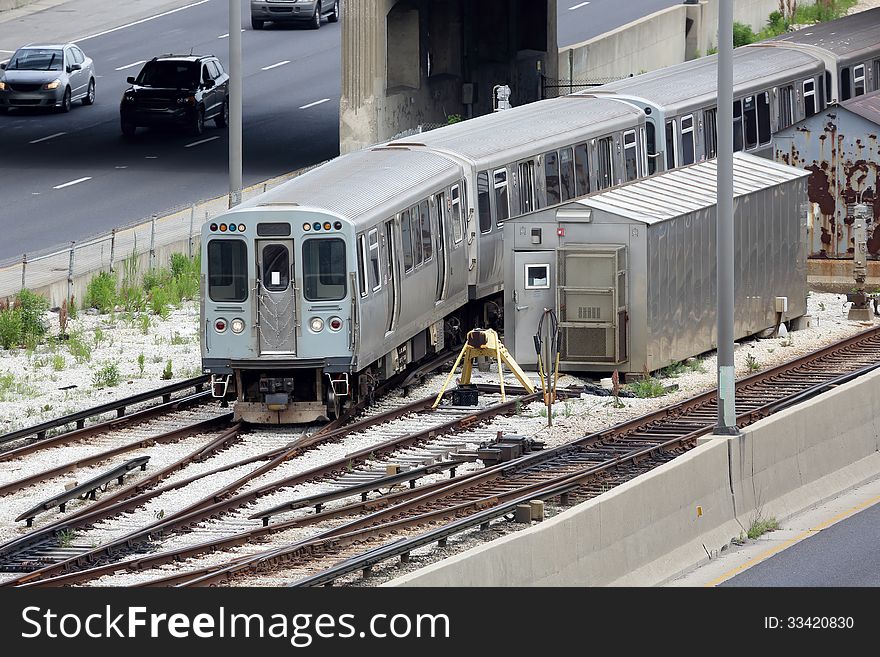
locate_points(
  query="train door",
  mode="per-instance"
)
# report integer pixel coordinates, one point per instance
(276, 294)
(442, 260)
(392, 280)
(533, 287)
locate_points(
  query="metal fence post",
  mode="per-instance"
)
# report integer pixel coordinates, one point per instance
(152, 242)
(112, 248)
(70, 271)
(23, 268)
(192, 216)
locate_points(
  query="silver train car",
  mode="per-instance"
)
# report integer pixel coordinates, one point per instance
(318, 290)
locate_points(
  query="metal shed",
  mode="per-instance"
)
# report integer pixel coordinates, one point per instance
(840, 149)
(631, 271)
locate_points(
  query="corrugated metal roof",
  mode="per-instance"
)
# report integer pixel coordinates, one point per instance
(380, 175)
(690, 188)
(526, 124)
(699, 77)
(866, 106)
(844, 36)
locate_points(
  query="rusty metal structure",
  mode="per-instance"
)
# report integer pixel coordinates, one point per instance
(839, 146)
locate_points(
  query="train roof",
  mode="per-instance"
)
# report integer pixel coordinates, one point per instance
(686, 85)
(364, 183)
(681, 191)
(540, 126)
(867, 106)
(842, 37)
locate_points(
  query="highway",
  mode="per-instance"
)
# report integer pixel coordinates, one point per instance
(70, 176)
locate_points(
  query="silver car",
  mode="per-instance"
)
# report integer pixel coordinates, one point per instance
(52, 75)
(293, 11)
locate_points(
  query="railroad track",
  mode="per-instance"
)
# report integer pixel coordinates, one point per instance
(19, 554)
(579, 470)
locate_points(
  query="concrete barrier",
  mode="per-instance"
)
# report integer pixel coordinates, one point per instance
(649, 530)
(6, 5)
(666, 37)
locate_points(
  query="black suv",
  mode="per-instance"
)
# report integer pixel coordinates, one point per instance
(176, 89)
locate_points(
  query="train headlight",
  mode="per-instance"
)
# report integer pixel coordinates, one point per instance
(335, 323)
(237, 325)
(316, 324)
(220, 325)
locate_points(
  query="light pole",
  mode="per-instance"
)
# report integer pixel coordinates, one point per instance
(234, 102)
(724, 241)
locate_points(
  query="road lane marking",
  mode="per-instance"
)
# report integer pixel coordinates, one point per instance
(769, 553)
(122, 68)
(286, 61)
(583, 4)
(317, 102)
(202, 141)
(226, 36)
(57, 134)
(143, 20)
(72, 182)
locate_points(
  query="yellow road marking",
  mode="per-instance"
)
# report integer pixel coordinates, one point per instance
(769, 553)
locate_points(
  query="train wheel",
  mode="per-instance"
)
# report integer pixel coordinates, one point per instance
(334, 405)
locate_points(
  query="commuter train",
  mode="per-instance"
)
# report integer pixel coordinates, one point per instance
(319, 289)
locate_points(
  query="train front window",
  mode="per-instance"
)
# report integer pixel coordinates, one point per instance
(276, 267)
(324, 269)
(227, 270)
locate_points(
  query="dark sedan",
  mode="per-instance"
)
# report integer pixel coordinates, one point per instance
(184, 90)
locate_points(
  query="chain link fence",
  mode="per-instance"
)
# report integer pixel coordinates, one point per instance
(177, 229)
(556, 87)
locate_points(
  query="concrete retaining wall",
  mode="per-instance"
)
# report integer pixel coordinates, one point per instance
(655, 41)
(649, 530)
(5, 5)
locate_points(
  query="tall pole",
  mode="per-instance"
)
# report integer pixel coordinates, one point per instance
(724, 243)
(234, 102)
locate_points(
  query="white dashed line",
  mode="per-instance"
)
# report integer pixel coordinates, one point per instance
(122, 68)
(37, 141)
(72, 182)
(202, 141)
(317, 102)
(225, 36)
(583, 4)
(286, 61)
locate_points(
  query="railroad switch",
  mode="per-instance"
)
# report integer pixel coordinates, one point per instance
(507, 448)
(484, 342)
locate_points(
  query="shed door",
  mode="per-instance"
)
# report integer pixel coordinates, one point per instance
(534, 281)
(276, 292)
(592, 305)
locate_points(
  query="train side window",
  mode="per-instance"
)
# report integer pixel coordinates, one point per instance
(876, 74)
(566, 173)
(671, 145)
(362, 272)
(688, 143)
(526, 186)
(651, 147)
(786, 106)
(710, 121)
(406, 238)
(416, 232)
(859, 80)
(750, 119)
(845, 84)
(630, 155)
(373, 239)
(227, 270)
(483, 201)
(829, 89)
(737, 126)
(427, 243)
(763, 118)
(809, 98)
(605, 155)
(581, 170)
(502, 203)
(551, 178)
(457, 228)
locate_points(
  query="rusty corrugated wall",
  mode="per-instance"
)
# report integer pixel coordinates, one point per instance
(841, 151)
